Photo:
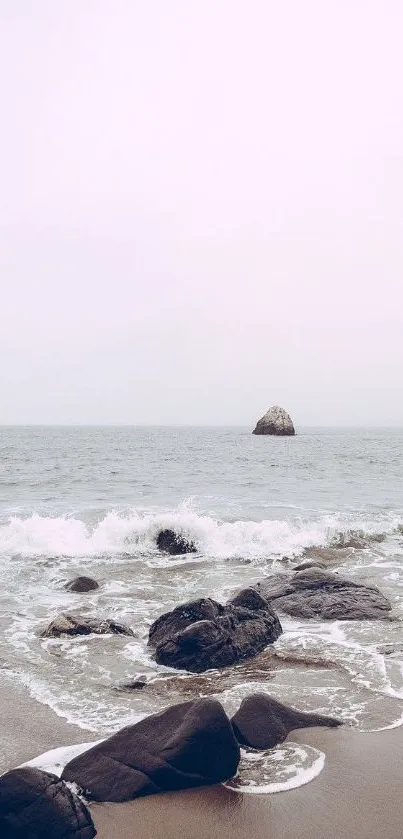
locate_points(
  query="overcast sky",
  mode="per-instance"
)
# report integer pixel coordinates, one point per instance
(201, 211)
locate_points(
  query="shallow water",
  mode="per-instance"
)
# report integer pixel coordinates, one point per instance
(92, 500)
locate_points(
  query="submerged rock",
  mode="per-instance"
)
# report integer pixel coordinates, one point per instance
(314, 593)
(203, 634)
(277, 422)
(187, 745)
(136, 683)
(328, 556)
(80, 584)
(173, 543)
(34, 804)
(309, 563)
(79, 625)
(261, 722)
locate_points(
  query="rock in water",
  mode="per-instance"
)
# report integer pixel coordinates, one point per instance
(262, 721)
(79, 625)
(277, 422)
(187, 745)
(203, 634)
(34, 804)
(81, 584)
(173, 543)
(313, 593)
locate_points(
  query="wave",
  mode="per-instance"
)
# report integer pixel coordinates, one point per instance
(134, 534)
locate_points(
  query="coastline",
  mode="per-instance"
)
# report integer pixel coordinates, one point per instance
(358, 794)
(29, 728)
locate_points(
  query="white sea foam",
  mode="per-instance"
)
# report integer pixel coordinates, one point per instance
(275, 770)
(135, 534)
(55, 760)
(283, 768)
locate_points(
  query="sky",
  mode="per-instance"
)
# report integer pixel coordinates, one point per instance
(201, 211)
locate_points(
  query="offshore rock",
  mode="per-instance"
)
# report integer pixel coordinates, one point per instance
(261, 722)
(173, 543)
(203, 634)
(79, 625)
(80, 584)
(314, 593)
(34, 804)
(187, 745)
(277, 422)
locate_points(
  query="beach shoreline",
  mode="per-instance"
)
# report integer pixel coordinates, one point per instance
(356, 796)
(29, 728)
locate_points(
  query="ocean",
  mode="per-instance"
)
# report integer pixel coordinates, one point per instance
(91, 500)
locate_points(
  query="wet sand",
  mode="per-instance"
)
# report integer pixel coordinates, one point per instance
(28, 728)
(358, 795)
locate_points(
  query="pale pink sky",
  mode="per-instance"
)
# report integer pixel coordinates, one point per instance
(201, 211)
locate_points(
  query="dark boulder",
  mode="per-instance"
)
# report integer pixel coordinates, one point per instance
(182, 616)
(261, 722)
(173, 543)
(188, 745)
(79, 625)
(251, 599)
(314, 593)
(35, 804)
(81, 584)
(203, 634)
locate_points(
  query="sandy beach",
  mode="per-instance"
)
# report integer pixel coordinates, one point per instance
(29, 728)
(358, 795)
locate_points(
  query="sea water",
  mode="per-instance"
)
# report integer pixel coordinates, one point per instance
(92, 501)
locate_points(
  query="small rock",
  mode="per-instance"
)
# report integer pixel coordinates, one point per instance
(174, 544)
(137, 683)
(309, 563)
(80, 584)
(79, 625)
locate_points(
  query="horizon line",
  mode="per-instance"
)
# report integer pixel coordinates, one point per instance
(182, 425)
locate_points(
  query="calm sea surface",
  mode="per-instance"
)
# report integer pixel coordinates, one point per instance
(92, 500)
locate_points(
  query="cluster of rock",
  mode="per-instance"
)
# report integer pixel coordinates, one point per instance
(187, 745)
(204, 634)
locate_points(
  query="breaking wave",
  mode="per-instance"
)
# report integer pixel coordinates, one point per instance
(134, 534)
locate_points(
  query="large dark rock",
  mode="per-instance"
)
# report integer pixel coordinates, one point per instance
(37, 805)
(79, 625)
(182, 616)
(276, 422)
(173, 543)
(203, 634)
(81, 584)
(261, 722)
(314, 593)
(187, 745)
